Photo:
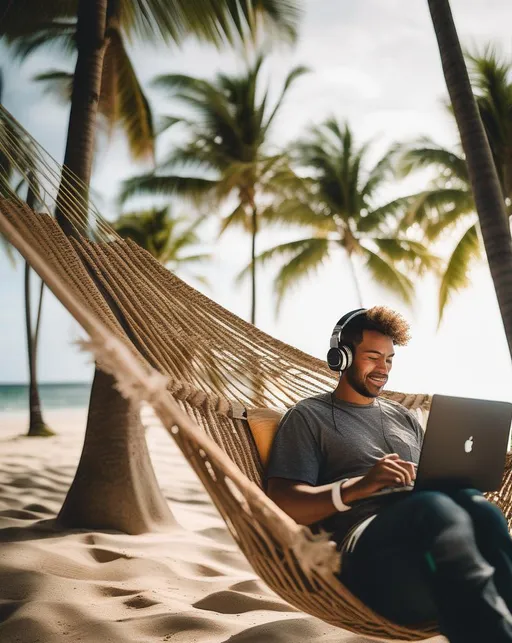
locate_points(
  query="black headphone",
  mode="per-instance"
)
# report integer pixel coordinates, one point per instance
(339, 356)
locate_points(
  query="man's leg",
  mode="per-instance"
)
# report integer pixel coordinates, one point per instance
(418, 557)
(492, 537)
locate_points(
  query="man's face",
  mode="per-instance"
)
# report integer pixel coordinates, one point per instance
(372, 363)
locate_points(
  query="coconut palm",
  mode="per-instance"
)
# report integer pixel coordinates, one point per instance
(337, 202)
(165, 237)
(133, 502)
(227, 147)
(447, 206)
(491, 79)
(485, 184)
(445, 209)
(14, 156)
(105, 78)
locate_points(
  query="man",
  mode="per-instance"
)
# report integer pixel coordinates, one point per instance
(412, 557)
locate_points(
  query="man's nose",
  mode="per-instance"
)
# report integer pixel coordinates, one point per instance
(384, 366)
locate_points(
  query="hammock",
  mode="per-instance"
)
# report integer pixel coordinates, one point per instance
(209, 376)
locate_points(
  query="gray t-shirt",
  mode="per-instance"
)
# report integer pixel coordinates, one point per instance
(322, 439)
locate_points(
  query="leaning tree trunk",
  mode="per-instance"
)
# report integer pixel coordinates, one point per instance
(115, 486)
(482, 172)
(37, 426)
(254, 232)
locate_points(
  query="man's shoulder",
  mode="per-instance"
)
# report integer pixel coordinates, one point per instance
(319, 401)
(395, 406)
(401, 410)
(307, 408)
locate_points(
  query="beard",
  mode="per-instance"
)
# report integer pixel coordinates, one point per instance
(358, 383)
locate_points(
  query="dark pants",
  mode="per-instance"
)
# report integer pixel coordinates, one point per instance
(438, 556)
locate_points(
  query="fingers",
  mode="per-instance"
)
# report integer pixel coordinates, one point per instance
(406, 467)
(402, 473)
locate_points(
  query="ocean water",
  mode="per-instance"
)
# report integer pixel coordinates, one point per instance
(14, 397)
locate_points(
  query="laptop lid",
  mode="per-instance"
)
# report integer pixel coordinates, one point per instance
(465, 444)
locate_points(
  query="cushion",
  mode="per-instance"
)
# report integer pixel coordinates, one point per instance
(263, 424)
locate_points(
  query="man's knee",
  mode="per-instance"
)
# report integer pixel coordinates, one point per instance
(481, 511)
(436, 510)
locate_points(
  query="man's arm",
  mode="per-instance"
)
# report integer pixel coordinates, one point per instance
(307, 504)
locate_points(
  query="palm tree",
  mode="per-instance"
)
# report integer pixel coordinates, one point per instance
(165, 237)
(447, 205)
(491, 79)
(228, 147)
(484, 180)
(337, 201)
(99, 29)
(13, 153)
(445, 209)
(130, 500)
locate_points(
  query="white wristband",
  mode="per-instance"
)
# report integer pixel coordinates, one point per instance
(336, 496)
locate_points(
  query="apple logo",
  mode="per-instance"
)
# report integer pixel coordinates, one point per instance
(468, 445)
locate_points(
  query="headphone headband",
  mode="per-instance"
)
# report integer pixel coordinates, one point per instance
(338, 329)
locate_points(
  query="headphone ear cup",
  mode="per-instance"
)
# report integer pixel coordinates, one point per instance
(334, 359)
(346, 357)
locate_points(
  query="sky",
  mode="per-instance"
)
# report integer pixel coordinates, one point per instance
(374, 64)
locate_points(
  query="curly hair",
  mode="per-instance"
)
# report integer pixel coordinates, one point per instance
(381, 319)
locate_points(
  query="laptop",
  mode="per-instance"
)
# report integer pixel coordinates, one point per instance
(465, 445)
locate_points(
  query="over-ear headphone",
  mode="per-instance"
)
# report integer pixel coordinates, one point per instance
(339, 356)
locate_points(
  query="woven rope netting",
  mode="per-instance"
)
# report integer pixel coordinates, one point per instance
(198, 365)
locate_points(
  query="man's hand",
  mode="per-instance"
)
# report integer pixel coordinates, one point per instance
(389, 471)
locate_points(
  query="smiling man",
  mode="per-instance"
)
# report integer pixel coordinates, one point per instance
(337, 462)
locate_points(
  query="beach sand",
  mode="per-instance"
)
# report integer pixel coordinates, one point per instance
(191, 585)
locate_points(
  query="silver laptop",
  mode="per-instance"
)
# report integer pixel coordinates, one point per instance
(465, 445)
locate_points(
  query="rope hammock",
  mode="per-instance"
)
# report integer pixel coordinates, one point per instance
(218, 384)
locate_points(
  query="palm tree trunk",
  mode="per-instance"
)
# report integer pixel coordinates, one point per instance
(484, 180)
(76, 174)
(115, 486)
(254, 232)
(355, 280)
(37, 426)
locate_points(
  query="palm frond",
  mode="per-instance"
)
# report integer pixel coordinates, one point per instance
(382, 171)
(301, 266)
(389, 277)
(296, 73)
(456, 274)
(164, 123)
(58, 35)
(56, 83)
(302, 258)
(237, 218)
(425, 154)
(216, 21)
(295, 212)
(375, 218)
(414, 255)
(194, 188)
(437, 209)
(129, 105)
